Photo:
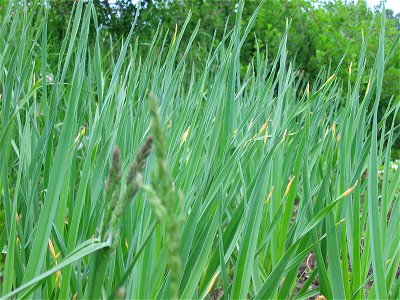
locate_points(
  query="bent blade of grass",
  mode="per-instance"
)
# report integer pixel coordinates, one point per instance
(30, 285)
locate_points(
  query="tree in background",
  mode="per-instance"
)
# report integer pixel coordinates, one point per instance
(321, 32)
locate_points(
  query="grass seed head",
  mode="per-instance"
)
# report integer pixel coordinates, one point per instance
(168, 198)
(137, 168)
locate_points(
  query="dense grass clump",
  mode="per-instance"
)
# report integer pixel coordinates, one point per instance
(145, 177)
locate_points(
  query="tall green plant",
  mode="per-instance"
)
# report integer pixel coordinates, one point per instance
(255, 175)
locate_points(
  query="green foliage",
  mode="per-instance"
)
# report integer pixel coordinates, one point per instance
(321, 32)
(255, 175)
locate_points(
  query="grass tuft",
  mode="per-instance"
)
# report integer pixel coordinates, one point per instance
(228, 181)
